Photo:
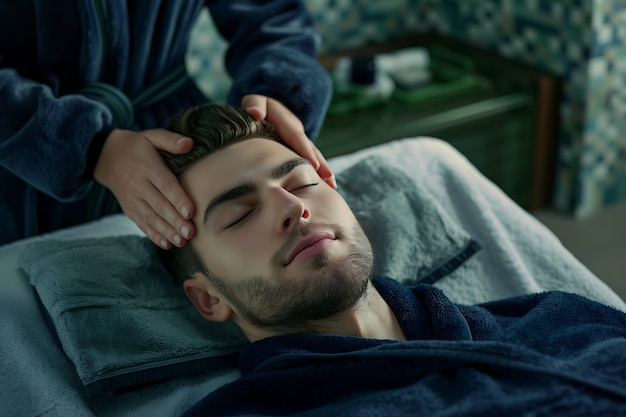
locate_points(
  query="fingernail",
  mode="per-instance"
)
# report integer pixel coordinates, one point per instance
(184, 211)
(332, 180)
(178, 240)
(164, 244)
(185, 231)
(181, 140)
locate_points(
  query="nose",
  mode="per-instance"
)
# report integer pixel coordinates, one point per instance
(290, 210)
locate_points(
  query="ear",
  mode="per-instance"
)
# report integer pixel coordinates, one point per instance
(209, 303)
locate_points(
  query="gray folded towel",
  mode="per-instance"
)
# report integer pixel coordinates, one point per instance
(413, 238)
(119, 316)
(123, 323)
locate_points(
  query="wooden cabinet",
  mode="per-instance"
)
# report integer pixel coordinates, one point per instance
(500, 114)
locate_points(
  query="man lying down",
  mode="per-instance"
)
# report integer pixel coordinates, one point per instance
(279, 252)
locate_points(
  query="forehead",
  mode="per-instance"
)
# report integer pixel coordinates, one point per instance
(235, 164)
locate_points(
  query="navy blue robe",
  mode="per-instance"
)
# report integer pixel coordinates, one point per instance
(553, 353)
(72, 71)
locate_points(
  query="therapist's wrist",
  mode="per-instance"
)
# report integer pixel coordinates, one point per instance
(95, 149)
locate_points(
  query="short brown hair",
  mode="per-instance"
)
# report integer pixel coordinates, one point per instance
(212, 127)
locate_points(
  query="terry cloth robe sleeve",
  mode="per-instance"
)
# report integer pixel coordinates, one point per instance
(45, 139)
(272, 51)
(70, 72)
(45, 130)
(77, 72)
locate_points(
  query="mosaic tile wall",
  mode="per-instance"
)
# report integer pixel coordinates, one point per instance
(582, 41)
(603, 163)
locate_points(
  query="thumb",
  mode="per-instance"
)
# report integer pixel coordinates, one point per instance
(168, 141)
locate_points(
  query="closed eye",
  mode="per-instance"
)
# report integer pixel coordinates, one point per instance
(240, 219)
(247, 214)
(302, 187)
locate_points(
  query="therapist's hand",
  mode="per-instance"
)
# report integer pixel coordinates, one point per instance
(290, 129)
(131, 166)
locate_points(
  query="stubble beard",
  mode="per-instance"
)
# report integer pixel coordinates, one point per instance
(291, 304)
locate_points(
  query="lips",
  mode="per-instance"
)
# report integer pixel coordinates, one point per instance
(306, 242)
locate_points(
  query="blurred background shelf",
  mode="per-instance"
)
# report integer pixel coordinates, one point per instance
(492, 110)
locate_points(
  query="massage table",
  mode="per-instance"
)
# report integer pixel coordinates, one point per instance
(516, 255)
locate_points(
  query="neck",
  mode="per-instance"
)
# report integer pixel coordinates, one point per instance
(370, 318)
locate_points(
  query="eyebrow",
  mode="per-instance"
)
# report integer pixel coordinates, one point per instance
(243, 190)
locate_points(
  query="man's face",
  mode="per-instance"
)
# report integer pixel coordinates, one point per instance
(284, 245)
